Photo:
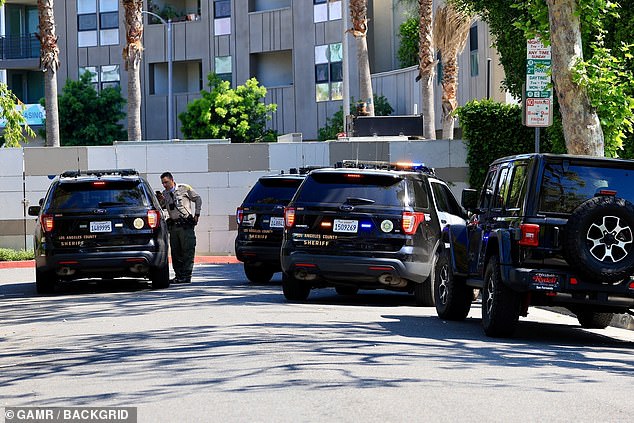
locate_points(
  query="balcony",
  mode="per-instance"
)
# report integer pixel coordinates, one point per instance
(19, 47)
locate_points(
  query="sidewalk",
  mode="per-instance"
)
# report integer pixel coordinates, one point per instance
(198, 260)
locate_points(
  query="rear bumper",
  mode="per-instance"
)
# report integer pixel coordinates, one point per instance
(247, 252)
(563, 288)
(102, 264)
(363, 272)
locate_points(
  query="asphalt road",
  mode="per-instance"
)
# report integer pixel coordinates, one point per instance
(224, 350)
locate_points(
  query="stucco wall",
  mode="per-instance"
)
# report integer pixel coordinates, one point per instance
(221, 173)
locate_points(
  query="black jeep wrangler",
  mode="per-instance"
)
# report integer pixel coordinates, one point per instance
(366, 225)
(546, 230)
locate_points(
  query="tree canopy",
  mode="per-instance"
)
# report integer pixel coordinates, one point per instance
(223, 112)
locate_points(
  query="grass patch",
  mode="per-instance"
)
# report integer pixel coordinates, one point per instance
(7, 254)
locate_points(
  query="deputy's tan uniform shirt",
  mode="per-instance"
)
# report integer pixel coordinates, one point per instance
(184, 199)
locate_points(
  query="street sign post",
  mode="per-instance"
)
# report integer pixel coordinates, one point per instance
(538, 96)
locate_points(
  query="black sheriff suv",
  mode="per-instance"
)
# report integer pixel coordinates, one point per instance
(545, 230)
(260, 220)
(366, 225)
(99, 224)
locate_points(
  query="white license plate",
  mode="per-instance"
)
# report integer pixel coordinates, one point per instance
(101, 226)
(349, 226)
(277, 222)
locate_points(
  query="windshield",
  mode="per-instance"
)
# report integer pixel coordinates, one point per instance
(98, 194)
(354, 188)
(565, 186)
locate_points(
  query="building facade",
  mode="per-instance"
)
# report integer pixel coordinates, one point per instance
(293, 48)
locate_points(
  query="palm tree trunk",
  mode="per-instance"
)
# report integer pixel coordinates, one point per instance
(449, 101)
(132, 54)
(359, 17)
(426, 65)
(582, 129)
(49, 63)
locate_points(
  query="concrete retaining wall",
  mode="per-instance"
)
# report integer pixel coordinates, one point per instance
(221, 173)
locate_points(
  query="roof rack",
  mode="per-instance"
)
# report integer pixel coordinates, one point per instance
(384, 165)
(99, 173)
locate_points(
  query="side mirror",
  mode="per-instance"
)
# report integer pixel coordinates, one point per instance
(34, 210)
(469, 199)
(41, 202)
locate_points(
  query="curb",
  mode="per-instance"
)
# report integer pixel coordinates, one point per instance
(197, 260)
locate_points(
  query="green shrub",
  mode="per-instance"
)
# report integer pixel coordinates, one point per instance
(408, 43)
(7, 254)
(493, 130)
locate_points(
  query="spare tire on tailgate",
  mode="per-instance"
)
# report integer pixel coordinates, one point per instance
(599, 237)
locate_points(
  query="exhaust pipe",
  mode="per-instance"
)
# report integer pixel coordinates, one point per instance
(303, 275)
(139, 268)
(65, 271)
(391, 280)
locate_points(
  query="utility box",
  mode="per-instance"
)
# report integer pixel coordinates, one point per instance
(370, 126)
(292, 137)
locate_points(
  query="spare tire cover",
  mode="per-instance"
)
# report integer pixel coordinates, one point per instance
(599, 239)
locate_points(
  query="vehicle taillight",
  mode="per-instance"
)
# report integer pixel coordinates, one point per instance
(529, 235)
(289, 216)
(47, 222)
(239, 215)
(152, 218)
(411, 220)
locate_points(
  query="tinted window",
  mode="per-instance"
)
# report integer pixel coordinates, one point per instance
(566, 186)
(446, 201)
(500, 196)
(337, 188)
(517, 186)
(273, 191)
(91, 195)
(487, 191)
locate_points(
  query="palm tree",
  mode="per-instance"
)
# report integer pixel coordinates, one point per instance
(359, 17)
(49, 63)
(451, 29)
(426, 64)
(132, 53)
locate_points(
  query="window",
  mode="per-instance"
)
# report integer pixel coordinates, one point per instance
(473, 49)
(324, 10)
(517, 187)
(223, 68)
(328, 72)
(97, 26)
(222, 17)
(106, 76)
(439, 67)
(502, 190)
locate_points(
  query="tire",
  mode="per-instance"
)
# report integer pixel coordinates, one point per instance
(44, 282)
(500, 304)
(160, 277)
(346, 290)
(258, 273)
(589, 319)
(294, 289)
(452, 296)
(424, 293)
(599, 239)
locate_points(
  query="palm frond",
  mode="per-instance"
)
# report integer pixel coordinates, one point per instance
(451, 30)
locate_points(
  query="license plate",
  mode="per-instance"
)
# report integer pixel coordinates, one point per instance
(277, 222)
(105, 226)
(349, 226)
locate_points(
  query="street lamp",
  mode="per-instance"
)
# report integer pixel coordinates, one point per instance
(170, 109)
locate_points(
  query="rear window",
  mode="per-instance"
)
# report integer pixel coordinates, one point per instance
(338, 188)
(565, 186)
(98, 194)
(273, 191)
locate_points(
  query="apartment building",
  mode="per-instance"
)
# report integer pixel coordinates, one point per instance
(293, 48)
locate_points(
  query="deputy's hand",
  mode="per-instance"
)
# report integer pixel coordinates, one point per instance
(196, 219)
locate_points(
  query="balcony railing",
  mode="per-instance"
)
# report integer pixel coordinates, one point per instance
(19, 47)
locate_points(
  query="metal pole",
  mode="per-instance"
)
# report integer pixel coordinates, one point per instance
(346, 70)
(537, 139)
(170, 101)
(488, 78)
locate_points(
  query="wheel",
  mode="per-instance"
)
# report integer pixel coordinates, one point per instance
(346, 290)
(500, 304)
(452, 296)
(599, 239)
(592, 320)
(44, 282)
(424, 293)
(160, 277)
(294, 289)
(258, 273)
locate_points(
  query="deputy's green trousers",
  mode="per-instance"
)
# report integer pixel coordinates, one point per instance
(183, 245)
